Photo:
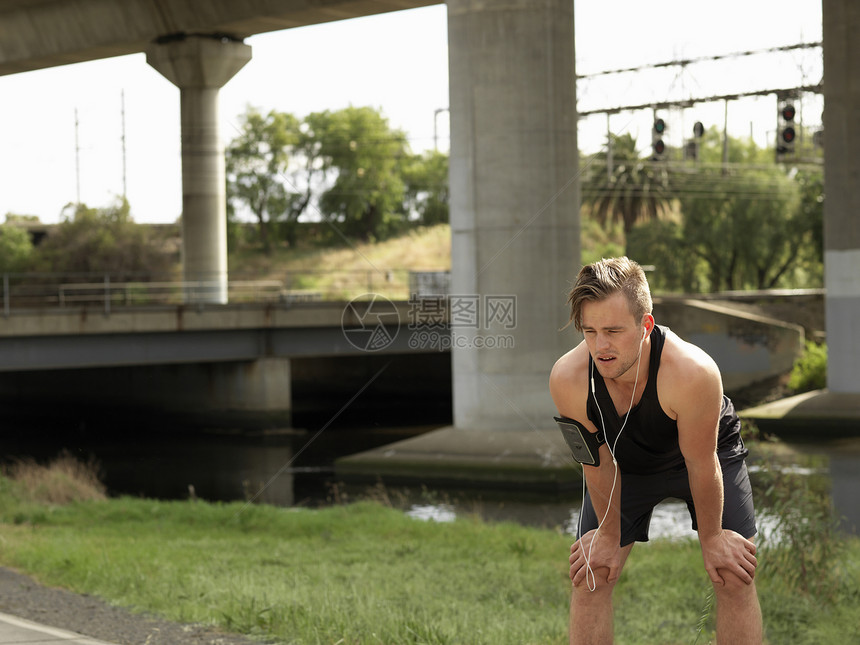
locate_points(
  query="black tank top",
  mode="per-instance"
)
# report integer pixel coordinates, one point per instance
(649, 443)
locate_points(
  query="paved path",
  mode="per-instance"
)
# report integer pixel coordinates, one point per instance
(24, 632)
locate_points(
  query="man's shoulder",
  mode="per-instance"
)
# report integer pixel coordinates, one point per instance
(690, 387)
(568, 382)
(685, 363)
(572, 365)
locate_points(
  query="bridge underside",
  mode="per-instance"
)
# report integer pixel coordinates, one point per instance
(35, 34)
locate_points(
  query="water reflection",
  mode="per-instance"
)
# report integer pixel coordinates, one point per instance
(210, 467)
(834, 467)
(433, 512)
(216, 468)
(670, 519)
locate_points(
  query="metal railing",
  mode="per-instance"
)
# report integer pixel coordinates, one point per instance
(65, 291)
(131, 293)
(107, 291)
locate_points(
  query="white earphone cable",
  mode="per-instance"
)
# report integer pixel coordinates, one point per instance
(590, 579)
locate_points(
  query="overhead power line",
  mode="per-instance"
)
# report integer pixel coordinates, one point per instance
(817, 88)
(701, 59)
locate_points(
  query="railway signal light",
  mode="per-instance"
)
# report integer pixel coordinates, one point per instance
(785, 131)
(691, 150)
(658, 147)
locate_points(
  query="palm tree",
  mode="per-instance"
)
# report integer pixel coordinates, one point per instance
(627, 188)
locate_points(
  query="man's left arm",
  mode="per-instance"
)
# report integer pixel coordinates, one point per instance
(698, 419)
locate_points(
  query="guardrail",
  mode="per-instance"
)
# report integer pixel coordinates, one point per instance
(107, 291)
(132, 293)
(41, 292)
(394, 284)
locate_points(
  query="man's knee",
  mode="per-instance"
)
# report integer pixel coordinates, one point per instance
(733, 587)
(595, 585)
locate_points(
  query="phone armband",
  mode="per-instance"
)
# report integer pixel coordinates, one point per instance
(584, 445)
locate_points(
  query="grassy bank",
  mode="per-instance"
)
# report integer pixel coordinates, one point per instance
(348, 270)
(352, 268)
(366, 573)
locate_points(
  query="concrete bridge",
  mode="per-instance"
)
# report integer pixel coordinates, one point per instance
(224, 359)
(237, 359)
(514, 193)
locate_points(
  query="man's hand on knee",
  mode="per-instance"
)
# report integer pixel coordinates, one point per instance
(595, 559)
(729, 553)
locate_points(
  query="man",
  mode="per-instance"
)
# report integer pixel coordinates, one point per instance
(669, 432)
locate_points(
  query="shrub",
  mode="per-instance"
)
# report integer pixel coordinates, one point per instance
(62, 481)
(810, 370)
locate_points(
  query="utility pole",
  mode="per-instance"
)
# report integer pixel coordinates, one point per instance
(122, 114)
(608, 149)
(436, 113)
(726, 137)
(77, 162)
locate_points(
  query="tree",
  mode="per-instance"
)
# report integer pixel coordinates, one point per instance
(426, 179)
(260, 177)
(365, 154)
(810, 181)
(629, 189)
(741, 229)
(740, 151)
(16, 248)
(661, 244)
(748, 223)
(103, 240)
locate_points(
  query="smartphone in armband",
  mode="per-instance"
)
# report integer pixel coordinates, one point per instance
(584, 445)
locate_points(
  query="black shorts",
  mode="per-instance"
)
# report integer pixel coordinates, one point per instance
(641, 493)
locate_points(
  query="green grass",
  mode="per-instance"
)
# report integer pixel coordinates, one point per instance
(363, 573)
(346, 270)
(349, 270)
(367, 573)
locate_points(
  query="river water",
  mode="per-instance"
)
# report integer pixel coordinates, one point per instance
(289, 468)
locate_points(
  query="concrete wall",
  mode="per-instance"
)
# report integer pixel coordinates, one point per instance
(804, 307)
(748, 349)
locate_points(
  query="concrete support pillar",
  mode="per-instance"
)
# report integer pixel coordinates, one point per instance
(242, 392)
(514, 205)
(842, 186)
(200, 66)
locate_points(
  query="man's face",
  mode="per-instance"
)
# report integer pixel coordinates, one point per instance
(612, 335)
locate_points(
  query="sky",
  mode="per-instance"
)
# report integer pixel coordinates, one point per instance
(398, 63)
